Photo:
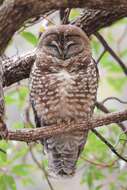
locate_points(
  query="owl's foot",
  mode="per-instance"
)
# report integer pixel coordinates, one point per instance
(3, 130)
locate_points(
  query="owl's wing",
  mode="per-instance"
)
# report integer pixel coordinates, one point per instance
(37, 120)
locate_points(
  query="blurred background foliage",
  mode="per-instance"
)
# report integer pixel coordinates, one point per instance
(98, 167)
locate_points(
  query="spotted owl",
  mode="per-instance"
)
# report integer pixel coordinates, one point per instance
(63, 87)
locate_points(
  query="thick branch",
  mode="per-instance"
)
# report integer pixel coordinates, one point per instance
(13, 13)
(93, 20)
(17, 68)
(29, 135)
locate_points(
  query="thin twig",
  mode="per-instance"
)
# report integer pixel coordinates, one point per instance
(109, 145)
(103, 108)
(110, 50)
(3, 151)
(120, 39)
(114, 98)
(41, 167)
(98, 60)
(28, 122)
(36, 20)
(66, 16)
(100, 165)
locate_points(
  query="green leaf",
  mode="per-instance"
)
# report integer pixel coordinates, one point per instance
(117, 83)
(73, 14)
(114, 67)
(27, 181)
(10, 182)
(123, 176)
(30, 37)
(22, 93)
(7, 182)
(96, 47)
(9, 99)
(21, 153)
(110, 64)
(3, 184)
(95, 146)
(92, 174)
(120, 22)
(98, 187)
(88, 177)
(123, 53)
(112, 186)
(45, 162)
(3, 157)
(17, 97)
(18, 125)
(21, 169)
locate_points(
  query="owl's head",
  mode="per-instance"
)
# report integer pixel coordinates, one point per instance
(64, 42)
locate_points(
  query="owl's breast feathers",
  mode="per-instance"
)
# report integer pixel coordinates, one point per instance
(64, 94)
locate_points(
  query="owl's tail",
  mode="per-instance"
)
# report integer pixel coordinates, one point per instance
(63, 152)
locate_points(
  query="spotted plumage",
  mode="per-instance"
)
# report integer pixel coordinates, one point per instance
(63, 87)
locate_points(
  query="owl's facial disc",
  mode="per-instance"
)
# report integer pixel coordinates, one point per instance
(63, 47)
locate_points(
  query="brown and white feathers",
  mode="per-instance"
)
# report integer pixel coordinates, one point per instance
(63, 87)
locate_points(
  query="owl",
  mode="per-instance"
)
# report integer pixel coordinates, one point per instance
(63, 86)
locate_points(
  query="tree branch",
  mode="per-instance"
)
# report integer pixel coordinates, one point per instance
(110, 146)
(93, 20)
(103, 108)
(29, 135)
(17, 68)
(114, 98)
(3, 129)
(109, 49)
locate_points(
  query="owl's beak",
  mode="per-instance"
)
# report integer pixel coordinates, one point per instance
(63, 53)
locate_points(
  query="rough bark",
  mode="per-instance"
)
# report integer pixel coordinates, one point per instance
(28, 135)
(3, 129)
(17, 68)
(94, 19)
